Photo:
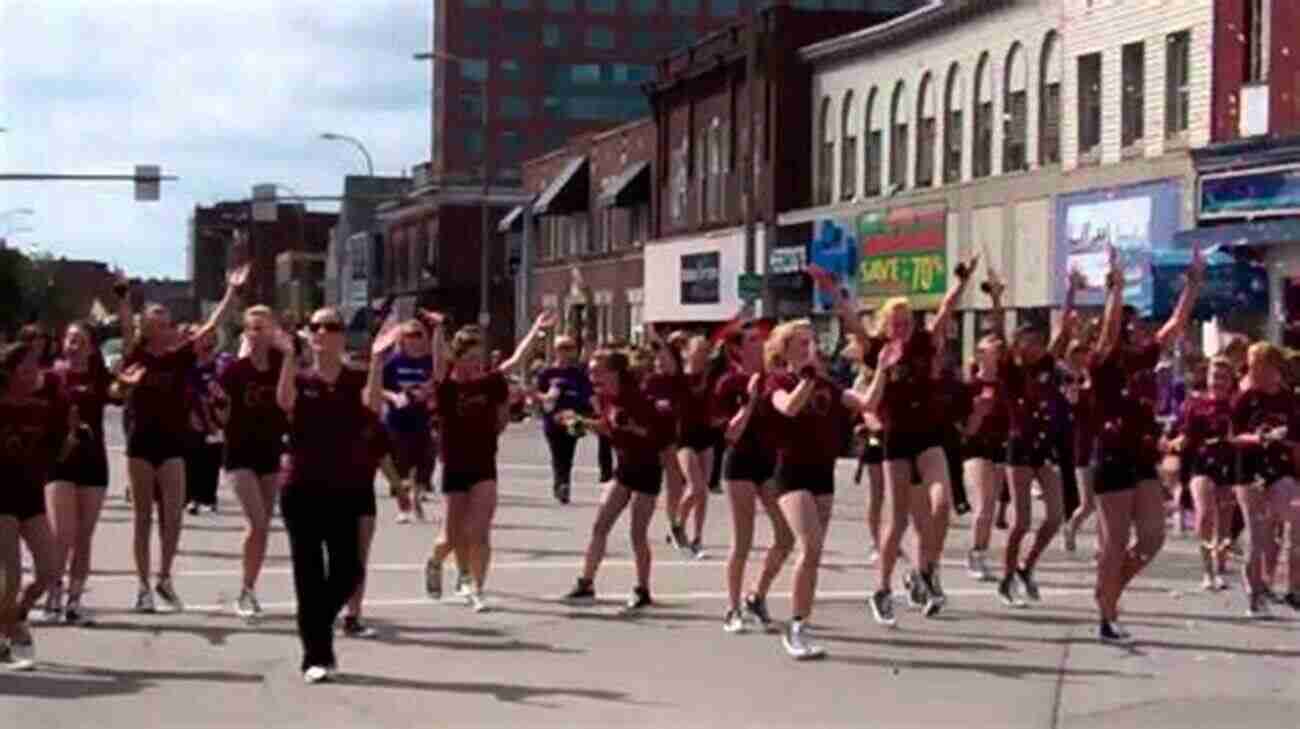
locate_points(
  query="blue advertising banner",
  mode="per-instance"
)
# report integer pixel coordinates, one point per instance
(835, 248)
(1135, 220)
(1268, 191)
(1232, 284)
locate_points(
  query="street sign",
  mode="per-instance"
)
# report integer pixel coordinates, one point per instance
(265, 209)
(750, 286)
(147, 183)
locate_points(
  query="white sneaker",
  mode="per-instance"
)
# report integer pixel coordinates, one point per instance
(403, 517)
(1208, 583)
(463, 588)
(247, 606)
(796, 646)
(315, 674)
(733, 623)
(144, 601)
(977, 565)
(477, 602)
(873, 557)
(167, 592)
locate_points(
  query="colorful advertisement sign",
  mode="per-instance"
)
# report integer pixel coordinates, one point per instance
(835, 248)
(1135, 220)
(877, 255)
(1268, 191)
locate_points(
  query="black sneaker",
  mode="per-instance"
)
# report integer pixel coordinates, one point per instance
(639, 600)
(583, 591)
(1007, 592)
(882, 608)
(1108, 632)
(715, 488)
(915, 586)
(1292, 600)
(755, 609)
(354, 628)
(677, 537)
(962, 508)
(1027, 581)
(562, 493)
(934, 597)
(193, 508)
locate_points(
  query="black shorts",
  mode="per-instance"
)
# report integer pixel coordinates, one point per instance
(460, 482)
(156, 447)
(909, 446)
(753, 467)
(873, 453)
(414, 455)
(699, 439)
(1219, 465)
(263, 459)
(1267, 467)
(86, 466)
(1121, 471)
(641, 478)
(817, 479)
(22, 501)
(985, 450)
(1032, 450)
(363, 500)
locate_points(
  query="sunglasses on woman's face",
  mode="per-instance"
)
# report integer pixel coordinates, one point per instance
(413, 335)
(325, 326)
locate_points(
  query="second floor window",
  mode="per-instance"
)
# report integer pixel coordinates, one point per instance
(927, 130)
(954, 99)
(1133, 118)
(848, 150)
(872, 147)
(982, 162)
(1015, 126)
(1089, 103)
(1049, 110)
(898, 140)
(826, 158)
(1177, 85)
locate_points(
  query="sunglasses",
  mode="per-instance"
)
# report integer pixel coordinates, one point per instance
(413, 335)
(325, 326)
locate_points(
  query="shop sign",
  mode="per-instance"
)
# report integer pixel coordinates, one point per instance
(904, 253)
(700, 278)
(1266, 191)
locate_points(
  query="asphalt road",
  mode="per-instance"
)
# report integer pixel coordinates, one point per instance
(536, 662)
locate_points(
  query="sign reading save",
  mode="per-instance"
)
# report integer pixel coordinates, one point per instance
(904, 253)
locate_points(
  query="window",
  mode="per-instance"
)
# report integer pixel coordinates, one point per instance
(552, 36)
(898, 138)
(1015, 115)
(644, 7)
(471, 105)
(1256, 45)
(718, 166)
(559, 6)
(702, 175)
(848, 149)
(514, 107)
(684, 7)
(643, 40)
(1177, 90)
(474, 69)
(474, 143)
(639, 222)
(1049, 110)
(872, 146)
(510, 71)
(679, 179)
(954, 97)
(826, 161)
(1134, 97)
(1089, 102)
(602, 7)
(585, 73)
(600, 37)
(517, 4)
(982, 161)
(724, 8)
(476, 3)
(927, 130)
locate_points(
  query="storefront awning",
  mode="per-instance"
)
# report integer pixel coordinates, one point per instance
(631, 187)
(567, 193)
(1259, 233)
(513, 220)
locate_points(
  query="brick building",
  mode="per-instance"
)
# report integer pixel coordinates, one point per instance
(591, 213)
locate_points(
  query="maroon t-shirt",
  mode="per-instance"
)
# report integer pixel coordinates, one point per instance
(1124, 398)
(817, 434)
(908, 404)
(1204, 419)
(697, 403)
(88, 392)
(471, 422)
(731, 395)
(638, 430)
(1031, 390)
(1254, 411)
(32, 433)
(666, 392)
(255, 418)
(160, 401)
(323, 428)
(995, 426)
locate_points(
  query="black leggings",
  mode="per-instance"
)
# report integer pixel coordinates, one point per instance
(562, 447)
(605, 459)
(956, 473)
(202, 471)
(324, 541)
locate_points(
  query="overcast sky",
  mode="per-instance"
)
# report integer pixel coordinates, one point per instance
(222, 93)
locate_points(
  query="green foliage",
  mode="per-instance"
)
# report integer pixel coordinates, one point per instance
(17, 274)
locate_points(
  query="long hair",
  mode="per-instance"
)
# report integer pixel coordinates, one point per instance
(616, 361)
(885, 314)
(12, 355)
(779, 339)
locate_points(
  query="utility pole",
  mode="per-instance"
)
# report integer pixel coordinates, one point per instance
(752, 159)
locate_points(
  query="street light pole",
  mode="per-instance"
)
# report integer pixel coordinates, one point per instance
(332, 137)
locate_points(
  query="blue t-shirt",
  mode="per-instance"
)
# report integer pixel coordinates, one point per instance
(575, 391)
(403, 374)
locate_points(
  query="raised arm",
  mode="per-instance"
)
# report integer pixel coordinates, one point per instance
(790, 404)
(544, 320)
(1114, 309)
(286, 389)
(1064, 333)
(995, 289)
(373, 396)
(1186, 302)
(889, 356)
(125, 317)
(234, 280)
(963, 272)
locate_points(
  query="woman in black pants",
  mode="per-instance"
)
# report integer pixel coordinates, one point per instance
(563, 386)
(328, 404)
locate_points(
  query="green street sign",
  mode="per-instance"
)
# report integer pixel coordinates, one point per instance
(750, 286)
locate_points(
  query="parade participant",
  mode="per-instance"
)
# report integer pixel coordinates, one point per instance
(748, 467)
(470, 399)
(1079, 393)
(209, 408)
(639, 432)
(373, 447)
(1129, 498)
(902, 393)
(1030, 378)
(985, 450)
(812, 417)
(695, 438)
(407, 417)
(666, 386)
(564, 387)
(1265, 424)
(37, 430)
(328, 404)
(75, 495)
(1202, 439)
(155, 374)
(254, 441)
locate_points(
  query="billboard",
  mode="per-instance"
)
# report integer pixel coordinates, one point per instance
(880, 254)
(1135, 220)
(1257, 192)
(700, 272)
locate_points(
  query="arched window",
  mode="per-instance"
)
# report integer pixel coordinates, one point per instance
(982, 164)
(1049, 96)
(873, 145)
(826, 156)
(927, 129)
(898, 137)
(848, 149)
(954, 99)
(1015, 115)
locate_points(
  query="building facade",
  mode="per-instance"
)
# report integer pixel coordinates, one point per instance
(1031, 132)
(587, 227)
(354, 267)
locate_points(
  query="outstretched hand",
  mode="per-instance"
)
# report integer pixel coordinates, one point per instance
(238, 276)
(132, 375)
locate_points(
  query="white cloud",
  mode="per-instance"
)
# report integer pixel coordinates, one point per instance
(223, 94)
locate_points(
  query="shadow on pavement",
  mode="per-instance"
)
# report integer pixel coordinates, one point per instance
(508, 693)
(63, 681)
(912, 643)
(1014, 671)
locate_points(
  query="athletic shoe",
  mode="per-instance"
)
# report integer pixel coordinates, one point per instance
(433, 579)
(247, 606)
(53, 610)
(1007, 592)
(732, 622)
(882, 608)
(144, 601)
(1257, 607)
(1292, 600)
(977, 565)
(1274, 597)
(962, 508)
(463, 586)
(6, 653)
(22, 654)
(935, 599)
(562, 493)
(316, 674)
(1119, 628)
(168, 594)
(583, 591)
(916, 592)
(72, 613)
(1070, 539)
(1027, 580)
(403, 517)
(697, 550)
(639, 600)
(193, 508)
(478, 603)
(677, 537)
(715, 488)
(1209, 583)
(354, 628)
(755, 610)
(795, 645)
(1110, 632)
(873, 557)
(1221, 584)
